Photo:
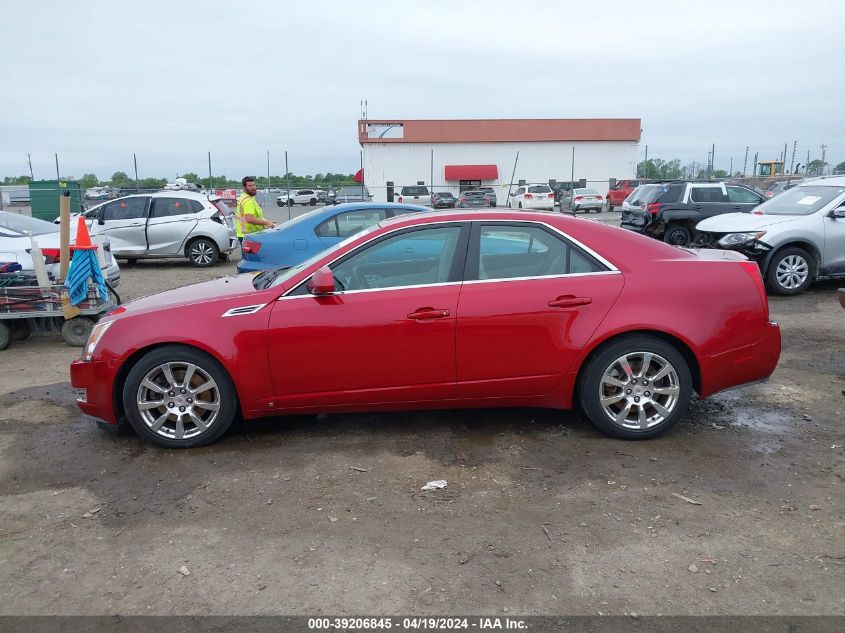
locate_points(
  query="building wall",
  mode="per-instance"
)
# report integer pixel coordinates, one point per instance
(408, 163)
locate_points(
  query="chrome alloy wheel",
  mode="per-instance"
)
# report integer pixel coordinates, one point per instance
(202, 252)
(792, 271)
(178, 400)
(639, 390)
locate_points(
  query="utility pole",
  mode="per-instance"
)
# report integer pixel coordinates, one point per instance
(745, 162)
(792, 162)
(821, 170)
(58, 177)
(783, 168)
(572, 177)
(287, 178)
(29, 161)
(645, 163)
(754, 174)
(268, 172)
(137, 182)
(210, 184)
(731, 172)
(712, 159)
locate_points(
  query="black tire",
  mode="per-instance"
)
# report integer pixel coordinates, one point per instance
(609, 206)
(590, 387)
(677, 235)
(75, 331)
(202, 252)
(783, 286)
(290, 202)
(5, 335)
(21, 329)
(313, 202)
(131, 261)
(227, 397)
(280, 203)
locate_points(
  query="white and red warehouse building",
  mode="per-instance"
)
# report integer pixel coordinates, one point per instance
(459, 154)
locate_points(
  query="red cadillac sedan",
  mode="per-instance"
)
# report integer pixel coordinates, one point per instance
(452, 310)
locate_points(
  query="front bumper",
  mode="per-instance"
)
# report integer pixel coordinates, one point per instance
(96, 379)
(754, 249)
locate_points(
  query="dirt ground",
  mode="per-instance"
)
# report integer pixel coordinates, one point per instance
(542, 513)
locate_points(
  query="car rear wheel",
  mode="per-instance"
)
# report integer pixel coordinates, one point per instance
(313, 202)
(609, 206)
(202, 252)
(790, 271)
(636, 388)
(290, 202)
(179, 397)
(280, 203)
(677, 235)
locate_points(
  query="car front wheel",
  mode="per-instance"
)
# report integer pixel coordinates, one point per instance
(202, 252)
(636, 388)
(790, 271)
(179, 397)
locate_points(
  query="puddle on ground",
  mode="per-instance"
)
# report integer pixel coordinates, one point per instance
(738, 412)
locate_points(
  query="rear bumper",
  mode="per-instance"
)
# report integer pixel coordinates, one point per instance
(96, 378)
(251, 266)
(738, 367)
(538, 204)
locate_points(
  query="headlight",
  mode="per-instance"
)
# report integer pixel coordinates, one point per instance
(734, 239)
(94, 338)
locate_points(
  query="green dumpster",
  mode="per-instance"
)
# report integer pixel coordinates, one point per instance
(44, 197)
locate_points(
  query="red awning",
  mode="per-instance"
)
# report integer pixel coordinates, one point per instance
(472, 172)
(359, 176)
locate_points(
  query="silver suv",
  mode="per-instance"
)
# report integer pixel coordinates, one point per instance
(166, 224)
(796, 237)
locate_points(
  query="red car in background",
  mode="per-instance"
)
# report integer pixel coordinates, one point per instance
(465, 309)
(623, 188)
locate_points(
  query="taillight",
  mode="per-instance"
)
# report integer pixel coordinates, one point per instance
(528, 196)
(598, 197)
(552, 195)
(754, 270)
(251, 247)
(51, 255)
(577, 198)
(654, 208)
(399, 199)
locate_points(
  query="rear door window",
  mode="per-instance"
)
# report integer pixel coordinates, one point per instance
(167, 207)
(707, 194)
(349, 223)
(741, 195)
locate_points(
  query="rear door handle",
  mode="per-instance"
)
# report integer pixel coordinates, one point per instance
(422, 314)
(570, 301)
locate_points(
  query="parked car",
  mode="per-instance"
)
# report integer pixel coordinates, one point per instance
(671, 214)
(416, 194)
(443, 200)
(796, 237)
(326, 197)
(436, 299)
(352, 193)
(641, 196)
(100, 193)
(311, 233)
(16, 246)
(474, 199)
(491, 193)
(532, 197)
(582, 199)
(779, 187)
(617, 194)
(166, 224)
(305, 197)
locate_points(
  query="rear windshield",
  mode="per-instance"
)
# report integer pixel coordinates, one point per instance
(474, 194)
(25, 224)
(800, 200)
(586, 192)
(539, 189)
(414, 191)
(222, 206)
(486, 189)
(443, 194)
(351, 191)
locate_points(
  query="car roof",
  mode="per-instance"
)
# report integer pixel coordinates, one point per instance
(832, 181)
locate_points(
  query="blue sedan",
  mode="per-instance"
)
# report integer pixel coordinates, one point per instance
(306, 235)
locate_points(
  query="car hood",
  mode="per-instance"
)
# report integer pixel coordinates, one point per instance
(743, 222)
(236, 290)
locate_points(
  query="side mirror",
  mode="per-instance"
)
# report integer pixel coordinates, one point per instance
(322, 282)
(101, 221)
(839, 213)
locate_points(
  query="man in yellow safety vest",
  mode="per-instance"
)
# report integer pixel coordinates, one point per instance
(249, 218)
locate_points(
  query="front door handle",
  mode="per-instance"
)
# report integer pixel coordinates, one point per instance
(569, 301)
(422, 314)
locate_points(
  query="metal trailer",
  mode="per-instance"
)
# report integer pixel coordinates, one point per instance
(20, 306)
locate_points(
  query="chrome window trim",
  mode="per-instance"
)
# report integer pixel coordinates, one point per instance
(613, 270)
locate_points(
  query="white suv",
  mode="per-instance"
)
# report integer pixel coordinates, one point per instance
(532, 197)
(796, 237)
(304, 197)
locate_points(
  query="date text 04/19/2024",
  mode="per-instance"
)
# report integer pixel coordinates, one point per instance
(417, 623)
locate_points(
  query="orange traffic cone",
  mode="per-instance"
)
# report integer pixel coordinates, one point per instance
(83, 238)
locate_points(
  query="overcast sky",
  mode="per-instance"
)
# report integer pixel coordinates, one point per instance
(170, 81)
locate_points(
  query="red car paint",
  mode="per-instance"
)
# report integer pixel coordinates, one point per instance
(449, 345)
(622, 190)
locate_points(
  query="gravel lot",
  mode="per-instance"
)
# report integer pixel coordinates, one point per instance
(542, 514)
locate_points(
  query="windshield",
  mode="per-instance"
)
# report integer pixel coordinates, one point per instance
(276, 276)
(25, 224)
(800, 200)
